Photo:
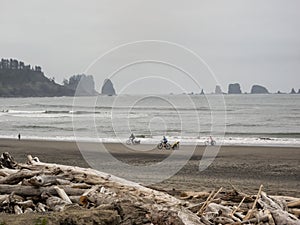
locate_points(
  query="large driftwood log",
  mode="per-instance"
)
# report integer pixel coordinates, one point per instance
(32, 191)
(18, 177)
(47, 180)
(171, 202)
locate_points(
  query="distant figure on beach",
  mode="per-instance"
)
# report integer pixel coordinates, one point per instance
(19, 136)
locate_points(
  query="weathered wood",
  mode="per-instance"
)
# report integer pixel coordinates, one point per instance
(18, 210)
(237, 208)
(208, 201)
(62, 194)
(3, 173)
(200, 212)
(193, 194)
(174, 204)
(279, 215)
(40, 207)
(296, 212)
(83, 200)
(56, 204)
(270, 217)
(26, 204)
(75, 199)
(8, 171)
(19, 176)
(294, 204)
(3, 198)
(285, 198)
(28, 210)
(249, 214)
(31, 191)
(46, 180)
(33, 160)
(7, 161)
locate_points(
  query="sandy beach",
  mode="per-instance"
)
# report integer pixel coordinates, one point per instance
(277, 168)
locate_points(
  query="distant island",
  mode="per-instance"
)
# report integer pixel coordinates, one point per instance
(20, 80)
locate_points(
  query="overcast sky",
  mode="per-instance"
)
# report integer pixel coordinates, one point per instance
(249, 41)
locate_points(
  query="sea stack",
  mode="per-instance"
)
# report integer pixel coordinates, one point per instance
(258, 89)
(218, 90)
(108, 88)
(293, 91)
(234, 89)
(82, 85)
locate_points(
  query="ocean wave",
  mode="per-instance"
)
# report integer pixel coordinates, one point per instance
(243, 125)
(225, 141)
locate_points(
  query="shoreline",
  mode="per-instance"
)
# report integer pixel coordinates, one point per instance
(245, 167)
(152, 142)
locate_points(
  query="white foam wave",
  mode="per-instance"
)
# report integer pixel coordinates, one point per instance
(227, 141)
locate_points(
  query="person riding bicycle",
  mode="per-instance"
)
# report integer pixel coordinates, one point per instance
(165, 140)
(132, 137)
(211, 141)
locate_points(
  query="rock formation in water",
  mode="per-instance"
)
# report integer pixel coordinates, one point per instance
(258, 89)
(202, 92)
(293, 91)
(20, 80)
(234, 89)
(82, 85)
(108, 88)
(218, 90)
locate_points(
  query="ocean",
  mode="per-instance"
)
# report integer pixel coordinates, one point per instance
(230, 119)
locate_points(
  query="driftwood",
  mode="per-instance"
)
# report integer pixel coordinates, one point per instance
(53, 187)
(18, 177)
(39, 187)
(294, 204)
(7, 161)
(31, 191)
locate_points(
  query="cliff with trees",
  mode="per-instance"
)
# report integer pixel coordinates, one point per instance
(20, 80)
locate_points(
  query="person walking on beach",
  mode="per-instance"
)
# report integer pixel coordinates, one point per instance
(19, 136)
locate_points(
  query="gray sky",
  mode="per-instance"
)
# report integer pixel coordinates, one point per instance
(250, 41)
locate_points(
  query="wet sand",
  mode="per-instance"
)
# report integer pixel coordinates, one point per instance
(277, 168)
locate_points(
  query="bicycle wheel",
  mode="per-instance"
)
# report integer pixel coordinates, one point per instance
(160, 146)
(168, 146)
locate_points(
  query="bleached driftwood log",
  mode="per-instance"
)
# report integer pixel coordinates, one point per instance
(18, 176)
(61, 192)
(172, 203)
(43, 187)
(31, 191)
(280, 216)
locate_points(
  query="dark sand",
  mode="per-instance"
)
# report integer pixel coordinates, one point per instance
(277, 168)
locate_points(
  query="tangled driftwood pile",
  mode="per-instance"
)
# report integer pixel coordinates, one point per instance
(78, 195)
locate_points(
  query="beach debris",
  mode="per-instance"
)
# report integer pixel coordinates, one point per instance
(53, 192)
